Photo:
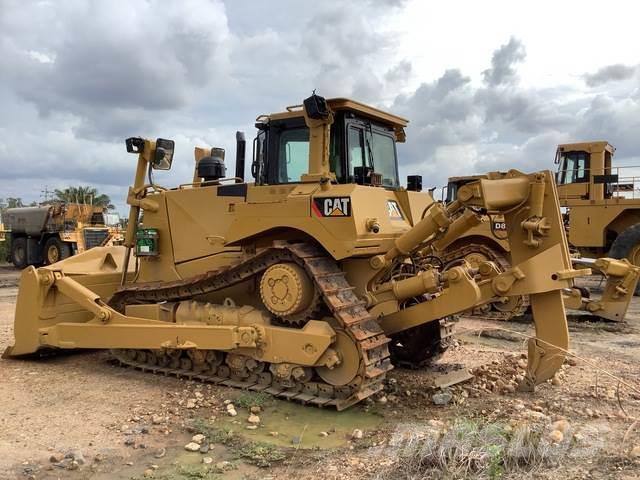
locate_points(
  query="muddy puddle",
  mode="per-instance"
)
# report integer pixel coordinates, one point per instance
(286, 430)
(287, 424)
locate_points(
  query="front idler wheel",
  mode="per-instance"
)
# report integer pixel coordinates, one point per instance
(347, 369)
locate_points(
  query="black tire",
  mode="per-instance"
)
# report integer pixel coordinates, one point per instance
(55, 250)
(626, 246)
(19, 252)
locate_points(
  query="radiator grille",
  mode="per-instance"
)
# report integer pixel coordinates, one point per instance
(94, 237)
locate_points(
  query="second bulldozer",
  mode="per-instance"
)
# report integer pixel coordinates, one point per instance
(306, 283)
(602, 220)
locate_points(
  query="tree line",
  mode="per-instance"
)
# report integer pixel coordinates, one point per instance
(82, 195)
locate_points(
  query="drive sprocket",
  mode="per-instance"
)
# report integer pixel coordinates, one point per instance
(475, 253)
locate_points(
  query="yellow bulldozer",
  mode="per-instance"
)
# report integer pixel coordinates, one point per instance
(602, 217)
(306, 283)
(601, 200)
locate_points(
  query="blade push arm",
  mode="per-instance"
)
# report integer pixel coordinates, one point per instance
(539, 254)
(621, 281)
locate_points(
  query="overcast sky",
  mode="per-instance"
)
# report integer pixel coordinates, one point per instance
(486, 85)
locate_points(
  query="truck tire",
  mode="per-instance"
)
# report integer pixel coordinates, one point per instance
(19, 252)
(627, 245)
(55, 250)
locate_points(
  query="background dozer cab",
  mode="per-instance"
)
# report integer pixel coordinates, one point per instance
(306, 283)
(49, 233)
(601, 200)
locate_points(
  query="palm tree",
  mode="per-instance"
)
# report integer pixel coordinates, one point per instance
(84, 195)
(14, 202)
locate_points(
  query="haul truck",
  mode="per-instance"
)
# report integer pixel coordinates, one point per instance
(50, 233)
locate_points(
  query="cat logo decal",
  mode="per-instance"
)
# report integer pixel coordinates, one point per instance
(332, 206)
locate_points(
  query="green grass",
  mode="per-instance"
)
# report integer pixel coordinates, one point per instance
(214, 434)
(472, 448)
(257, 453)
(261, 454)
(189, 472)
(253, 399)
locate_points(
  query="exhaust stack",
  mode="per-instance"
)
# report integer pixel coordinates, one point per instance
(241, 147)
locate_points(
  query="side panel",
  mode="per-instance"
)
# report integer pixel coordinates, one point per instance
(199, 219)
(587, 223)
(162, 267)
(340, 218)
(413, 204)
(34, 251)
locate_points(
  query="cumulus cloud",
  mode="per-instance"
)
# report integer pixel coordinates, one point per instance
(116, 63)
(503, 63)
(610, 73)
(80, 76)
(460, 128)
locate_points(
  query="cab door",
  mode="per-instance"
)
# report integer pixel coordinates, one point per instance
(573, 175)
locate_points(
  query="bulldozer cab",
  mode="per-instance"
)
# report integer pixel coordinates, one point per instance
(450, 191)
(361, 145)
(585, 173)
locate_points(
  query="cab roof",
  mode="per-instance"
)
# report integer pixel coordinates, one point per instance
(596, 145)
(337, 104)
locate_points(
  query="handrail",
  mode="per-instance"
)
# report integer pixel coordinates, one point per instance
(210, 182)
(626, 184)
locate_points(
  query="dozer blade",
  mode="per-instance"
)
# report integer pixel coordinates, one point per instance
(39, 306)
(546, 352)
(25, 331)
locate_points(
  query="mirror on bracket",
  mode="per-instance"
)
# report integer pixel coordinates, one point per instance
(164, 154)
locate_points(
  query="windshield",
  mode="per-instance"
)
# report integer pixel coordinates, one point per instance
(370, 148)
(384, 159)
(573, 167)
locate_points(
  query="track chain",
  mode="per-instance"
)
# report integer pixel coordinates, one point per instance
(338, 295)
(488, 311)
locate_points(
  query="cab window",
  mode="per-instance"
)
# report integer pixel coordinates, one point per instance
(336, 162)
(293, 155)
(575, 167)
(370, 148)
(452, 192)
(356, 150)
(384, 157)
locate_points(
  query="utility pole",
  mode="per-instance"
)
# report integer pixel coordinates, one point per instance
(46, 192)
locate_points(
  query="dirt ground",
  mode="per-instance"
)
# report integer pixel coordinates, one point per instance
(116, 423)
